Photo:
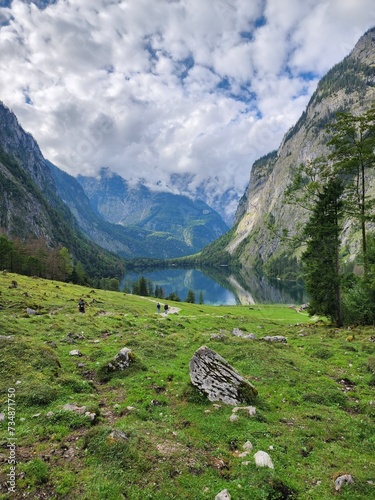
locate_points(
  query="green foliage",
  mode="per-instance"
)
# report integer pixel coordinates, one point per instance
(353, 141)
(173, 296)
(284, 266)
(36, 472)
(350, 75)
(321, 258)
(190, 297)
(69, 419)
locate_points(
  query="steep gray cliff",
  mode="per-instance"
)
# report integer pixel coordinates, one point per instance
(348, 86)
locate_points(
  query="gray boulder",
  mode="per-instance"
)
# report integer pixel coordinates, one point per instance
(214, 376)
(275, 338)
(239, 333)
(122, 360)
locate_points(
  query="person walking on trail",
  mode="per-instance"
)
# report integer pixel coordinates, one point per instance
(166, 308)
(81, 306)
(158, 307)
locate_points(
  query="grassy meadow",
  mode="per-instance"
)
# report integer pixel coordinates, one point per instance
(148, 434)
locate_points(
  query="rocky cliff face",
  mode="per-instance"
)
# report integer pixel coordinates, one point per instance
(348, 86)
(21, 146)
(27, 189)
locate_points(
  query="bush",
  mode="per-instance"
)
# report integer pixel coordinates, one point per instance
(358, 304)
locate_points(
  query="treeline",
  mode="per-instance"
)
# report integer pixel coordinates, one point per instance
(146, 288)
(35, 258)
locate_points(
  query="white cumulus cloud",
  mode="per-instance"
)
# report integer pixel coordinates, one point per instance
(152, 88)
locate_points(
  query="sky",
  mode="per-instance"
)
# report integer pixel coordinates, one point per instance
(175, 92)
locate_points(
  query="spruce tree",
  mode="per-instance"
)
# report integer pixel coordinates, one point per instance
(321, 264)
(353, 154)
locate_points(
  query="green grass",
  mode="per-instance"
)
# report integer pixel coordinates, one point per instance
(315, 409)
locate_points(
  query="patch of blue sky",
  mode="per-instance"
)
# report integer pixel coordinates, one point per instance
(247, 35)
(149, 48)
(242, 93)
(309, 76)
(260, 21)
(28, 99)
(186, 65)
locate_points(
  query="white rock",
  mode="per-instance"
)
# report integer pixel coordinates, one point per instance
(75, 352)
(262, 459)
(247, 446)
(223, 495)
(340, 481)
(233, 418)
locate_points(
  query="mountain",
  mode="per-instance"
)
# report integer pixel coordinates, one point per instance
(40, 200)
(169, 225)
(30, 206)
(348, 86)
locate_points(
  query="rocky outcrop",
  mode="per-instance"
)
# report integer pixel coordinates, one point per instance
(349, 86)
(214, 376)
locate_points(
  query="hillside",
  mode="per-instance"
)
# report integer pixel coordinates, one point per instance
(348, 86)
(145, 432)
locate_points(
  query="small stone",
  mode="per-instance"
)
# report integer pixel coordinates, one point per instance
(80, 410)
(92, 416)
(117, 435)
(223, 495)
(276, 338)
(30, 311)
(262, 459)
(2, 417)
(341, 480)
(233, 418)
(251, 409)
(239, 333)
(247, 446)
(49, 414)
(75, 352)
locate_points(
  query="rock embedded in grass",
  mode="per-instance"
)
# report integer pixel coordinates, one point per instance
(213, 376)
(340, 481)
(275, 338)
(223, 495)
(262, 459)
(239, 333)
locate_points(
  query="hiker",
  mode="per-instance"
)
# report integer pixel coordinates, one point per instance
(166, 308)
(158, 307)
(81, 306)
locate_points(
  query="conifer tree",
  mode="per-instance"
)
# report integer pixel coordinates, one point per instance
(353, 155)
(321, 265)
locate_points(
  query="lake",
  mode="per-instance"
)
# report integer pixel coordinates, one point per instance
(218, 286)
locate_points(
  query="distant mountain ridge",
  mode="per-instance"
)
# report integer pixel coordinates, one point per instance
(165, 215)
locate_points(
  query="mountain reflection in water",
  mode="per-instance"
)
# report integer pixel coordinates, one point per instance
(219, 286)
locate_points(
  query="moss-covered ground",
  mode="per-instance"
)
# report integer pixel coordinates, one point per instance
(154, 437)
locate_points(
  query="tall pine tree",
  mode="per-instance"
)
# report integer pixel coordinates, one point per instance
(321, 265)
